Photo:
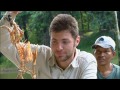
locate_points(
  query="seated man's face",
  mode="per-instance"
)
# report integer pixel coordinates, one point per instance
(103, 55)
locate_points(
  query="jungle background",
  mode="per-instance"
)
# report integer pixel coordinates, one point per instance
(35, 24)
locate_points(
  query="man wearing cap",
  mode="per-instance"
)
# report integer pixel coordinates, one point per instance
(104, 51)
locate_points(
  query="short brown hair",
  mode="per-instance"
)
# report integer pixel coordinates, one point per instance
(65, 22)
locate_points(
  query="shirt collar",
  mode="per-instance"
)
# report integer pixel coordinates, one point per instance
(74, 63)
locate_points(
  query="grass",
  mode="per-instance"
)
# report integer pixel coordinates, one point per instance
(8, 76)
(13, 76)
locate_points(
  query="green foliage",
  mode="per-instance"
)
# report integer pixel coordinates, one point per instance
(5, 63)
(37, 22)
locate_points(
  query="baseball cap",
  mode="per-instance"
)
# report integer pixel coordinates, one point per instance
(105, 42)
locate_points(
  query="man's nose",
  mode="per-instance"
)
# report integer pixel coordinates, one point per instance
(59, 46)
(102, 54)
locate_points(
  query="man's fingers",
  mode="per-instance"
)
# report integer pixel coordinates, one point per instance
(15, 12)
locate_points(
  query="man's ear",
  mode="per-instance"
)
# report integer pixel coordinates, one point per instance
(77, 41)
(94, 52)
(114, 53)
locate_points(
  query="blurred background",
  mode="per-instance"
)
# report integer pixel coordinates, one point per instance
(35, 24)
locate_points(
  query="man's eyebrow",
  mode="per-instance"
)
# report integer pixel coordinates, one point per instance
(54, 39)
(62, 39)
(65, 39)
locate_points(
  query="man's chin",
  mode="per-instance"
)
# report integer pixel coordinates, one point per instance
(60, 58)
(101, 64)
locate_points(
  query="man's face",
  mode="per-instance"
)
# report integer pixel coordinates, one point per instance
(103, 55)
(63, 45)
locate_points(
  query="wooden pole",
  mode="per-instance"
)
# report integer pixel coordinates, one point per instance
(118, 36)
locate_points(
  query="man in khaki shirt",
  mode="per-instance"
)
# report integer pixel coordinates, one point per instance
(62, 60)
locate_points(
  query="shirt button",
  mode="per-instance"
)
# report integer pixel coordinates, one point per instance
(61, 77)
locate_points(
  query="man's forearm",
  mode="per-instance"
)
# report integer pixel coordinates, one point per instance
(6, 47)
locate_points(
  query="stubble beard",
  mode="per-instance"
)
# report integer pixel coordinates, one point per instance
(67, 56)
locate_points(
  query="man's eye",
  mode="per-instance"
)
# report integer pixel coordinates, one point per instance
(65, 42)
(53, 42)
(107, 51)
(97, 51)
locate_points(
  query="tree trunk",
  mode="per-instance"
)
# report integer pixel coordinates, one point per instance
(118, 36)
(88, 22)
(82, 21)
